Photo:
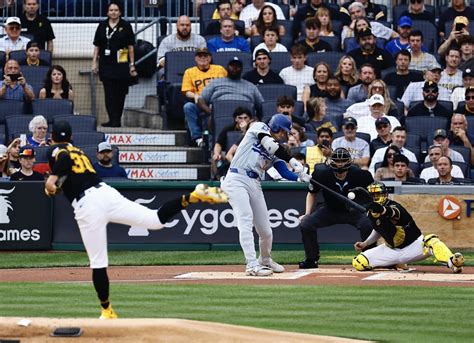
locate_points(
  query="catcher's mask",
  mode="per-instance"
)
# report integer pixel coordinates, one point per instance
(379, 192)
(340, 160)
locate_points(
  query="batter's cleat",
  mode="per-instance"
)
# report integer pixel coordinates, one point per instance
(258, 270)
(211, 195)
(108, 313)
(456, 261)
(308, 264)
(277, 268)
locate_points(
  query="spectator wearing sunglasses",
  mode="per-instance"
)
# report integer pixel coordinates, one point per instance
(384, 135)
(417, 11)
(468, 107)
(430, 105)
(12, 41)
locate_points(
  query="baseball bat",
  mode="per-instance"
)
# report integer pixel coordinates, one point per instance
(341, 197)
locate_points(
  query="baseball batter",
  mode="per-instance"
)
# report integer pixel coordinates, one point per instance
(96, 204)
(258, 151)
(404, 241)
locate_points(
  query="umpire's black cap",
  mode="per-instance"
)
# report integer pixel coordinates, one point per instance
(62, 131)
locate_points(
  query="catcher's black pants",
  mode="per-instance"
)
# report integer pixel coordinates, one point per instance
(324, 216)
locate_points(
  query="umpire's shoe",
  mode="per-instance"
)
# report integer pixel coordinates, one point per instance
(308, 264)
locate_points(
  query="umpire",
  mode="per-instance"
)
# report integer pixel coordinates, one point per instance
(340, 176)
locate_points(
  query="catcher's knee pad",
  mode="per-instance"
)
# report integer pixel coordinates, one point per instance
(361, 263)
(433, 246)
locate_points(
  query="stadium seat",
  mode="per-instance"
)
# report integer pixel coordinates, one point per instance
(40, 154)
(465, 168)
(464, 151)
(335, 42)
(331, 57)
(361, 135)
(273, 91)
(223, 58)
(20, 55)
(3, 139)
(3, 59)
(470, 123)
(222, 113)
(80, 123)
(287, 24)
(425, 125)
(427, 28)
(182, 60)
(399, 9)
(17, 125)
(49, 108)
(34, 75)
(87, 138)
(413, 140)
(11, 107)
(233, 137)
(280, 60)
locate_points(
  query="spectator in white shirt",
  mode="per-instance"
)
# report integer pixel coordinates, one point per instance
(298, 74)
(434, 153)
(13, 41)
(399, 138)
(376, 107)
(270, 42)
(250, 12)
(451, 76)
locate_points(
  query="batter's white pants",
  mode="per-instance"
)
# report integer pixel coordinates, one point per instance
(248, 203)
(100, 206)
(384, 256)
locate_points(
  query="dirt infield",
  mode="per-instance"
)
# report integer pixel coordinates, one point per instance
(150, 330)
(232, 275)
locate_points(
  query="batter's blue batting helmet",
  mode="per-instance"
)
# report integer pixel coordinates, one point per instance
(279, 122)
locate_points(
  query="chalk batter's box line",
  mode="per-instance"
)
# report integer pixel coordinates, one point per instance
(239, 275)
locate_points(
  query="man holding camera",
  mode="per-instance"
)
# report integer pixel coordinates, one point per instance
(14, 86)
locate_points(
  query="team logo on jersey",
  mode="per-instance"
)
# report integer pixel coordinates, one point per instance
(449, 207)
(5, 205)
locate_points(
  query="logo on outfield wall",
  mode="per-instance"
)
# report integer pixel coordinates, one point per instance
(449, 207)
(5, 205)
(136, 230)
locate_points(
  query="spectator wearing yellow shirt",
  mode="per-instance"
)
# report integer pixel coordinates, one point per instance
(194, 81)
(322, 150)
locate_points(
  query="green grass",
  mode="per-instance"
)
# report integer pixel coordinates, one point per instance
(147, 258)
(395, 314)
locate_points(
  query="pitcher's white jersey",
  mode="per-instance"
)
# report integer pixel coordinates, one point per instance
(251, 155)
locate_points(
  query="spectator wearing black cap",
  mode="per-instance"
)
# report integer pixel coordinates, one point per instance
(33, 55)
(440, 137)
(104, 165)
(27, 160)
(262, 74)
(430, 105)
(459, 93)
(357, 147)
(403, 76)
(312, 43)
(194, 81)
(231, 87)
(384, 135)
(368, 52)
(467, 107)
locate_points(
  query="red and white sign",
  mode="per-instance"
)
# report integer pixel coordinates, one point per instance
(449, 207)
(141, 139)
(152, 156)
(162, 173)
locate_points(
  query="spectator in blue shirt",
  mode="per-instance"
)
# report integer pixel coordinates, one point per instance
(14, 86)
(228, 41)
(104, 166)
(402, 42)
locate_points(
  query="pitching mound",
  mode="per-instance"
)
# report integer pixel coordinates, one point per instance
(149, 330)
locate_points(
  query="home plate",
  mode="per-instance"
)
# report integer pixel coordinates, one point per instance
(421, 277)
(240, 275)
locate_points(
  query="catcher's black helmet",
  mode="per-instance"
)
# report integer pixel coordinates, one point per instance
(340, 160)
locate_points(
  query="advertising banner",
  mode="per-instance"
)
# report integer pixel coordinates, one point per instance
(25, 216)
(202, 223)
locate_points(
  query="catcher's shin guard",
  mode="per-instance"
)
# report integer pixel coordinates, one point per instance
(361, 263)
(433, 246)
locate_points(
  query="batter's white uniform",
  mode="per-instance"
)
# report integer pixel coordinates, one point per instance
(242, 185)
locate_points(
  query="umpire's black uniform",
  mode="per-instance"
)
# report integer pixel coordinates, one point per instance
(334, 211)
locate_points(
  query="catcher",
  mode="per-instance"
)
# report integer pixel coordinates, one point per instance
(96, 204)
(404, 241)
